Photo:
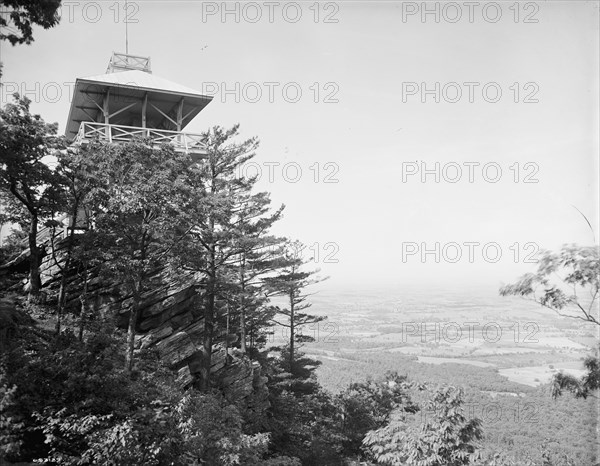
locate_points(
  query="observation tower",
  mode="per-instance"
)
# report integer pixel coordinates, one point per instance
(128, 101)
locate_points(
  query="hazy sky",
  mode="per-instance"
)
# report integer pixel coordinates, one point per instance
(367, 117)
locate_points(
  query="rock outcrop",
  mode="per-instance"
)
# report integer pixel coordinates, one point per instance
(170, 321)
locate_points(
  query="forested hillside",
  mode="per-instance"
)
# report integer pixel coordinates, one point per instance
(145, 338)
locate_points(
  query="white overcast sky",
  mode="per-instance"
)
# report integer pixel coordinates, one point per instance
(368, 56)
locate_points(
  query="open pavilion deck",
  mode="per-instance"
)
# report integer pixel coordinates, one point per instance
(188, 143)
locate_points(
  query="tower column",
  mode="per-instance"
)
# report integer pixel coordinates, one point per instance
(180, 115)
(144, 109)
(105, 108)
(106, 112)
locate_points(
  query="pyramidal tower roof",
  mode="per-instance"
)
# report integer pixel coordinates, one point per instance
(136, 79)
(129, 94)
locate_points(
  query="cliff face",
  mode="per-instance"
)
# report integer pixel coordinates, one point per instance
(170, 321)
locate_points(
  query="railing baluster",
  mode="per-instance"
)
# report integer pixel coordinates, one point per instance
(120, 133)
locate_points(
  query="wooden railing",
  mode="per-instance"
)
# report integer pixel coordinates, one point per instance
(185, 142)
(123, 61)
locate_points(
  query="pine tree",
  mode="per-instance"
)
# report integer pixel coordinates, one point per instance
(290, 284)
(213, 208)
(258, 254)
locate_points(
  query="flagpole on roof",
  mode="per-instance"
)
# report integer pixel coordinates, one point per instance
(126, 31)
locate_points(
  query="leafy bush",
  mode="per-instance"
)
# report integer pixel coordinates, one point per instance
(442, 436)
(368, 405)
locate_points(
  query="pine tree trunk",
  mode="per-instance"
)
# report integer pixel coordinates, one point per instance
(130, 339)
(243, 307)
(243, 329)
(81, 318)
(209, 306)
(292, 330)
(227, 338)
(207, 339)
(35, 282)
(83, 299)
(62, 293)
(61, 298)
(131, 327)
